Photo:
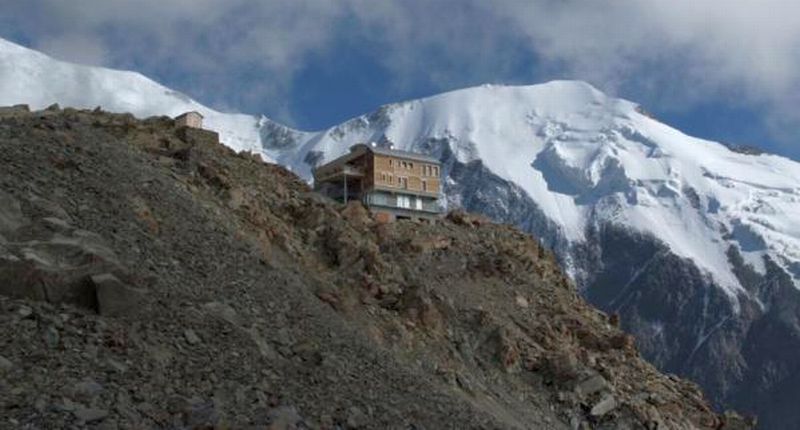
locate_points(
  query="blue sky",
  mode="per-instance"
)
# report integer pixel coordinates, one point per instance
(727, 73)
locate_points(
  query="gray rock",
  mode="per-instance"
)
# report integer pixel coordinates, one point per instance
(356, 418)
(284, 418)
(591, 385)
(5, 364)
(87, 389)
(56, 269)
(264, 348)
(107, 425)
(90, 415)
(114, 298)
(222, 311)
(51, 337)
(116, 366)
(200, 414)
(56, 223)
(11, 217)
(604, 406)
(16, 110)
(67, 405)
(49, 207)
(24, 312)
(191, 337)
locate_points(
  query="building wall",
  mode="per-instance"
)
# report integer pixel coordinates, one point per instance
(191, 119)
(389, 172)
(401, 201)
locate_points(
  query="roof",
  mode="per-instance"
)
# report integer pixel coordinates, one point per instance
(360, 149)
(398, 153)
(187, 113)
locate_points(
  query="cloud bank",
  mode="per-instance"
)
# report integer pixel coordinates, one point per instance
(245, 55)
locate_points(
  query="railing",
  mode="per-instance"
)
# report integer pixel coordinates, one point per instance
(345, 170)
(392, 201)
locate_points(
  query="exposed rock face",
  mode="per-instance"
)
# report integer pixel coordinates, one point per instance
(683, 323)
(50, 260)
(580, 171)
(216, 291)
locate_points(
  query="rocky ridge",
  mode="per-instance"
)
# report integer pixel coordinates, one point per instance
(152, 278)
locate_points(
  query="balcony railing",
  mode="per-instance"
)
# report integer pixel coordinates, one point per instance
(338, 172)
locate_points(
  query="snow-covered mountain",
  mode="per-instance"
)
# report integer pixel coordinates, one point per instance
(693, 244)
(38, 80)
(586, 158)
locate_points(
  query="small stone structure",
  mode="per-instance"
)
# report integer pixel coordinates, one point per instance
(192, 119)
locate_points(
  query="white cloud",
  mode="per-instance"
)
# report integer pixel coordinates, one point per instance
(675, 53)
(77, 48)
(671, 53)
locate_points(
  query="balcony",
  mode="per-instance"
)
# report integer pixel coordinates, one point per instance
(337, 172)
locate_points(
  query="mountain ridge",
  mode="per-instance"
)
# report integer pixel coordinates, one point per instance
(285, 309)
(690, 242)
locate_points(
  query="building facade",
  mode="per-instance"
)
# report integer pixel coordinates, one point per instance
(392, 184)
(191, 119)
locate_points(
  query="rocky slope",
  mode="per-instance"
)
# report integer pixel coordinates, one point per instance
(692, 243)
(152, 278)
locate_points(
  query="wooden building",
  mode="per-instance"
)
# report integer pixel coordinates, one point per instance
(191, 119)
(392, 184)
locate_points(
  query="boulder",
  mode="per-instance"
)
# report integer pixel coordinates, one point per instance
(11, 217)
(591, 385)
(90, 415)
(191, 337)
(85, 390)
(285, 418)
(5, 364)
(114, 298)
(222, 311)
(56, 269)
(49, 208)
(604, 406)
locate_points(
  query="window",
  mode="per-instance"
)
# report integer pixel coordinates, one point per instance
(436, 171)
(418, 203)
(424, 185)
(391, 179)
(411, 166)
(379, 199)
(404, 202)
(403, 182)
(391, 162)
(383, 177)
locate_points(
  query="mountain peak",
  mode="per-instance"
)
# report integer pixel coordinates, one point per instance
(587, 158)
